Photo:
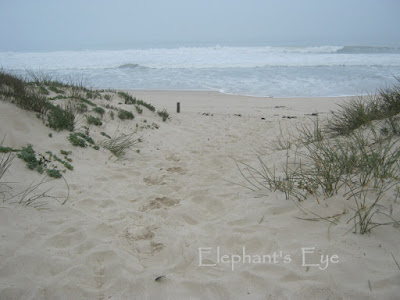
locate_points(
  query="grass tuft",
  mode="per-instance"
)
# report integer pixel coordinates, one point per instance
(127, 98)
(7, 156)
(163, 114)
(99, 110)
(146, 104)
(125, 115)
(362, 111)
(94, 121)
(120, 144)
(61, 118)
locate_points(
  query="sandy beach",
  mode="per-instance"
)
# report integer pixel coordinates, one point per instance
(174, 219)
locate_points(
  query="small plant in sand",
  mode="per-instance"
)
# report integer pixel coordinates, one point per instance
(113, 91)
(61, 118)
(111, 114)
(366, 211)
(28, 155)
(54, 173)
(109, 97)
(57, 97)
(66, 155)
(128, 99)
(65, 163)
(82, 108)
(94, 121)
(99, 110)
(93, 94)
(146, 104)
(43, 163)
(5, 150)
(163, 114)
(7, 156)
(139, 109)
(80, 139)
(284, 179)
(111, 107)
(86, 101)
(125, 115)
(43, 91)
(118, 145)
(55, 89)
(76, 140)
(105, 134)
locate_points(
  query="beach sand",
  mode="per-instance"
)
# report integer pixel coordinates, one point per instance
(176, 206)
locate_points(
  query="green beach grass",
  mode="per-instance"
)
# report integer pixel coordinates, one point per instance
(355, 153)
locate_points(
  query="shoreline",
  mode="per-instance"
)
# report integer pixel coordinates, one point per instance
(235, 95)
(198, 101)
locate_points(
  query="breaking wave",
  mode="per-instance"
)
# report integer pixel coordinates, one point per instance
(369, 50)
(131, 66)
(264, 70)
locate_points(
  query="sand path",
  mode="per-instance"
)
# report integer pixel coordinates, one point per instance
(129, 221)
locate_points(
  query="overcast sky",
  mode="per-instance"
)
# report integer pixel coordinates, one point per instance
(28, 25)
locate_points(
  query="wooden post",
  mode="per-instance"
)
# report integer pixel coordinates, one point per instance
(178, 107)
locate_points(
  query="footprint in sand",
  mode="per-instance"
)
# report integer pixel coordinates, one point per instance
(178, 170)
(154, 180)
(142, 237)
(156, 247)
(160, 202)
(146, 248)
(173, 157)
(137, 234)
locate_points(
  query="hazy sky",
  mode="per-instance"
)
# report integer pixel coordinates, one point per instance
(115, 24)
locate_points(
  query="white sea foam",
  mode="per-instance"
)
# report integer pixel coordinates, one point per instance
(262, 71)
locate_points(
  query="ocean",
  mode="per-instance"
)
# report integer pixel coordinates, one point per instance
(265, 71)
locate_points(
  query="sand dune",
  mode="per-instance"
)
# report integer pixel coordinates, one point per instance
(176, 207)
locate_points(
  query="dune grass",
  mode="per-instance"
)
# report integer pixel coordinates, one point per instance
(61, 118)
(125, 114)
(364, 110)
(93, 121)
(356, 153)
(33, 94)
(36, 194)
(61, 106)
(27, 96)
(17, 90)
(148, 105)
(163, 114)
(128, 99)
(118, 145)
(6, 158)
(79, 139)
(99, 110)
